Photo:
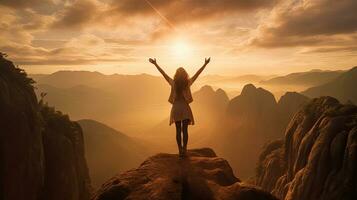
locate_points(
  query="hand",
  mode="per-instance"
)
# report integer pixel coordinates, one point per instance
(207, 60)
(153, 61)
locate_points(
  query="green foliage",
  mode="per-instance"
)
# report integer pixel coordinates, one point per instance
(7, 68)
(2, 55)
(56, 122)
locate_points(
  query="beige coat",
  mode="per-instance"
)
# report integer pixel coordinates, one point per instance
(186, 93)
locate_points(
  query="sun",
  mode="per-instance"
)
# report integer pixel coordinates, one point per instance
(181, 49)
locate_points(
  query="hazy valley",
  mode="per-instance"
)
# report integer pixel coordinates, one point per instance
(265, 140)
(137, 106)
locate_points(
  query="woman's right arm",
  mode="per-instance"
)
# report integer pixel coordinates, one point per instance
(168, 79)
(194, 77)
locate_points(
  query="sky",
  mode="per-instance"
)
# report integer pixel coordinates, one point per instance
(241, 36)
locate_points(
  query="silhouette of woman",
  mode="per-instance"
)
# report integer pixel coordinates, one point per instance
(180, 98)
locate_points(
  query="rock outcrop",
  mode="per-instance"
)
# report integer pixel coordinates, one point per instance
(202, 175)
(41, 150)
(317, 160)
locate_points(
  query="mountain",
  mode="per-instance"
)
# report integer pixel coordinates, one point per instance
(67, 79)
(42, 150)
(317, 159)
(310, 78)
(289, 104)
(232, 85)
(247, 78)
(109, 151)
(343, 87)
(91, 95)
(252, 119)
(202, 175)
(253, 104)
(209, 103)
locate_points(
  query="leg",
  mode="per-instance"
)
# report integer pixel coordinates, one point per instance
(185, 133)
(178, 135)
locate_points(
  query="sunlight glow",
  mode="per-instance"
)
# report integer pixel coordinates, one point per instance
(181, 49)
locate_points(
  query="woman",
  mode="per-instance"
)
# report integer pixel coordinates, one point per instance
(180, 98)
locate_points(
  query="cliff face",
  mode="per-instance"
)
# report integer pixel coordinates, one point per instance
(41, 151)
(66, 171)
(22, 158)
(164, 176)
(318, 157)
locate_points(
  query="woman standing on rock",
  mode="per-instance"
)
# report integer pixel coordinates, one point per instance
(180, 98)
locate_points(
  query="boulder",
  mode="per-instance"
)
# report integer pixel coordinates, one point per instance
(201, 175)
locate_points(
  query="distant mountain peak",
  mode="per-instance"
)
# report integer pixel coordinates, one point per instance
(77, 72)
(207, 88)
(221, 92)
(248, 88)
(343, 87)
(309, 78)
(291, 96)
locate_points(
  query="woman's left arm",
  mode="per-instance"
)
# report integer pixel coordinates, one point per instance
(168, 78)
(194, 77)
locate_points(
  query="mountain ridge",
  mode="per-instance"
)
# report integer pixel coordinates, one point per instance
(310, 78)
(342, 87)
(104, 145)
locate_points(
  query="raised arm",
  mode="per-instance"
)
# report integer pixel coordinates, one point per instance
(194, 77)
(168, 79)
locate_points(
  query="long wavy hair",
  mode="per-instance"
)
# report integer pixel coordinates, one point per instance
(181, 79)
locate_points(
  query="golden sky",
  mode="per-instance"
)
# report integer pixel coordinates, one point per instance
(118, 36)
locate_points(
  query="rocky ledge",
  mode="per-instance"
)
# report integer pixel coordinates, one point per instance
(202, 175)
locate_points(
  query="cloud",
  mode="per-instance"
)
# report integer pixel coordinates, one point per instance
(332, 49)
(77, 15)
(23, 3)
(308, 22)
(46, 7)
(179, 11)
(69, 61)
(84, 49)
(18, 27)
(172, 12)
